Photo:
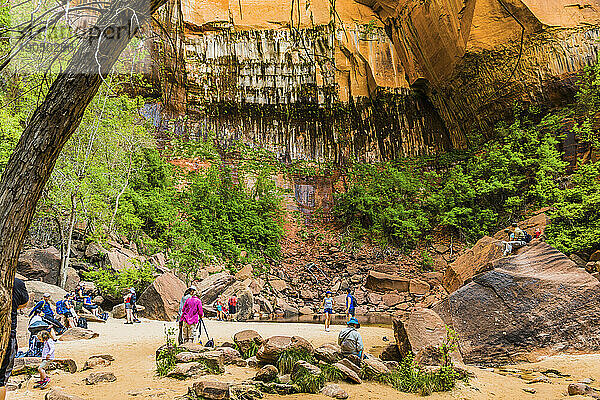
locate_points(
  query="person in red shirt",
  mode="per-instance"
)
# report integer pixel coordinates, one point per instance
(232, 305)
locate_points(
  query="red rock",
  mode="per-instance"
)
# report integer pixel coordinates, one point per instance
(270, 350)
(391, 299)
(419, 287)
(381, 282)
(40, 264)
(162, 297)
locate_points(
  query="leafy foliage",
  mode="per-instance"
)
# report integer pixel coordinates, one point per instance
(115, 283)
(287, 359)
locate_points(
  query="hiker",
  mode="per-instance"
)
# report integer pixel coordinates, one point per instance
(89, 305)
(47, 356)
(537, 233)
(516, 239)
(134, 312)
(328, 309)
(20, 298)
(190, 315)
(186, 295)
(220, 312)
(350, 304)
(79, 295)
(232, 305)
(350, 340)
(128, 307)
(48, 317)
(65, 309)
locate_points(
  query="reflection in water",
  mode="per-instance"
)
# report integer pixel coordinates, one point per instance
(336, 319)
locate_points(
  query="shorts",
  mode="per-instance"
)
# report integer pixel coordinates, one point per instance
(328, 311)
(9, 361)
(232, 309)
(44, 364)
(219, 308)
(351, 311)
(128, 306)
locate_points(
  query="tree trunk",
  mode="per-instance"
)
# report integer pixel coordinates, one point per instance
(67, 255)
(51, 125)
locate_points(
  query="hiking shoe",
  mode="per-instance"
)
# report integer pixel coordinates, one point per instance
(45, 383)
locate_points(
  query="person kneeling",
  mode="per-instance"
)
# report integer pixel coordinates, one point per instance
(350, 340)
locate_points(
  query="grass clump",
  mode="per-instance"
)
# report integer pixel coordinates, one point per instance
(309, 383)
(249, 352)
(287, 359)
(166, 358)
(331, 373)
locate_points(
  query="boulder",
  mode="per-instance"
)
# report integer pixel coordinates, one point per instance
(392, 299)
(213, 360)
(351, 362)
(472, 262)
(36, 290)
(533, 301)
(302, 368)
(328, 353)
(278, 285)
(334, 390)
(95, 251)
(230, 355)
(162, 297)
(419, 287)
(381, 282)
(348, 373)
(581, 389)
(95, 362)
(539, 220)
(118, 311)
(26, 364)
(265, 305)
(213, 286)
(120, 258)
(77, 333)
(268, 373)
(374, 366)
(211, 389)
(72, 279)
(305, 310)
(246, 339)
(99, 377)
(391, 353)
(244, 273)
(578, 260)
(270, 350)
(57, 394)
(423, 328)
(595, 256)
(160, 262)
(42, 264)
(288, 309)
(188, 370)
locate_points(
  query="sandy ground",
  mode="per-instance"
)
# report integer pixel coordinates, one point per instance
(134, 346)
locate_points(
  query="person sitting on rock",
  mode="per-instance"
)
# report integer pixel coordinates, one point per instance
(89, 305)
(350, 340)
(48, 317)
(328, 309)
(516, 239)
(65, 308)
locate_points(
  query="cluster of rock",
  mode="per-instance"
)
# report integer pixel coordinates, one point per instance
(196, 361)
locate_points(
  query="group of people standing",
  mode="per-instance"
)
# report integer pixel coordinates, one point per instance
(349, 338)
(328, 306)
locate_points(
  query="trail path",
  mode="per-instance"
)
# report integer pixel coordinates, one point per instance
(134, 346)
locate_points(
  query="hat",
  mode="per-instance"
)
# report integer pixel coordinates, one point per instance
(328, 292)
(353, 321)
(46, 295)
(193, 288)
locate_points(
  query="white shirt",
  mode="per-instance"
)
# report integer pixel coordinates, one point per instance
(48, 350)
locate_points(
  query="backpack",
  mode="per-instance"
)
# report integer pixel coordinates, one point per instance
(82, 323)
(527, 237)
(352, 301)
(61, 307)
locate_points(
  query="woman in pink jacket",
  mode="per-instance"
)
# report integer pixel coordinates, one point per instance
(190, 315)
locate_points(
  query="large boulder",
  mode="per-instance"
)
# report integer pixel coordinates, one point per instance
(472, 262)
(539, 220)
(162, 297)
(118, 311)
(73, 279)
(211, 389)
(424, 328)
(57, 394)
(381, 282)
(36, 290)
(77, 333)
(213, 286)
(538, 300)
(40, 264)
(270, 350)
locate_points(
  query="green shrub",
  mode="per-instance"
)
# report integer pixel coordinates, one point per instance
(166, 357)
(113, 283)
(287, 359)
(331, 373)
(309, 383)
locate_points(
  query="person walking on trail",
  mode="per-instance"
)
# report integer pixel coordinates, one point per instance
(134, 312)
(47, 356)
(20, 298)
(232, 306)
(189, 292)
(190, 316)
(516, 239)
(127, 300)
(350, 340)
(327, 309)
(350, 305)
(48, 317)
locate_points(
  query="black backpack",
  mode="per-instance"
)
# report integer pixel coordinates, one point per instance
(82, 323)
(527, 237)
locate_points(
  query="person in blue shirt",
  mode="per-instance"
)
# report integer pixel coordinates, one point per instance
(48, 317)
(350, 304)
